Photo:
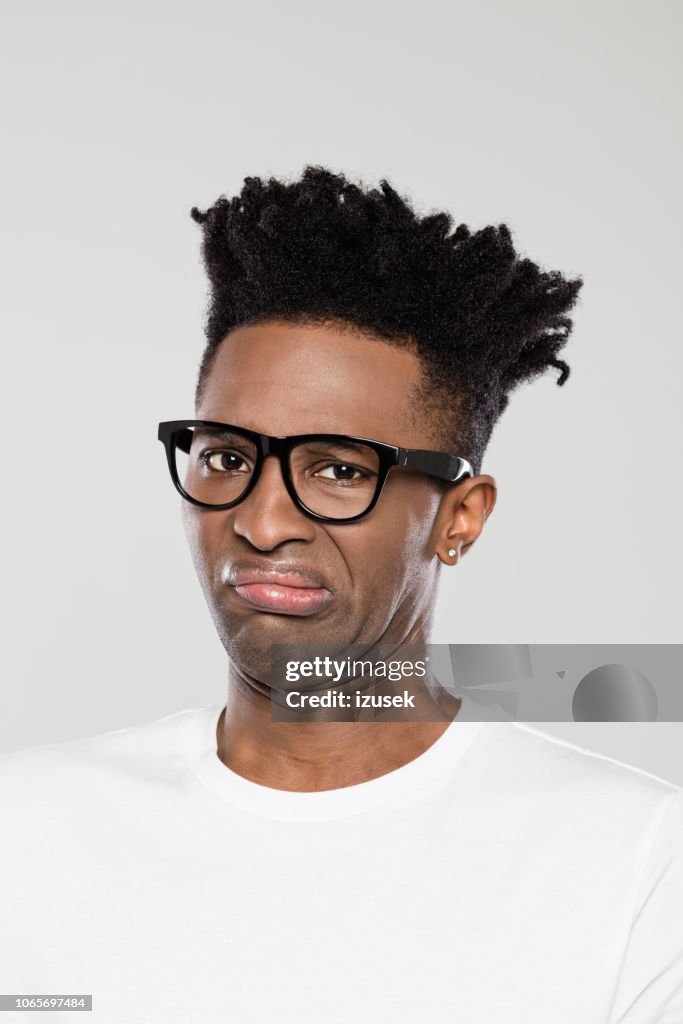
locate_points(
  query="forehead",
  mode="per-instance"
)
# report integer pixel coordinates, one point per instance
(281, 378)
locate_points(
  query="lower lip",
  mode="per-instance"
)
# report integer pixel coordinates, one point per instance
(289, 600)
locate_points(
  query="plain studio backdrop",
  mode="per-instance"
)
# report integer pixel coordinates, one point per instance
(562, 121)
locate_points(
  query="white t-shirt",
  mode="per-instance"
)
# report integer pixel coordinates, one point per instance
(502, 877)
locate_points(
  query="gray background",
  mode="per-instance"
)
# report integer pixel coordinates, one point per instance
(561, 120)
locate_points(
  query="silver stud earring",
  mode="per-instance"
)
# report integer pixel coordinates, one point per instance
(451, 552)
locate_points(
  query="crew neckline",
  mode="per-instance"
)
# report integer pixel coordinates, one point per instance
(329, 804)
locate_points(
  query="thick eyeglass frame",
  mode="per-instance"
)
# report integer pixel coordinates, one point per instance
(174, 433)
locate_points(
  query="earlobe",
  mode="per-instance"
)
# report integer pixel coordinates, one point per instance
(452, 556)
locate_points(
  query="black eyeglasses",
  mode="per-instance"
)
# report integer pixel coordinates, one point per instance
(332, 478)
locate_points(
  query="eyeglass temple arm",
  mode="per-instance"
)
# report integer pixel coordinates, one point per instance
(446, 467)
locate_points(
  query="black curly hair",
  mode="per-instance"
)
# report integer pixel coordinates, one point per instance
(324, 250)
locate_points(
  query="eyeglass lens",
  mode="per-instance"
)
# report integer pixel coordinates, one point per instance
(336, 479)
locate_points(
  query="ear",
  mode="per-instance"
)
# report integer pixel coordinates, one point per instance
(463, 510)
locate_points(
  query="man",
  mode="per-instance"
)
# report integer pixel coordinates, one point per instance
(224, 864)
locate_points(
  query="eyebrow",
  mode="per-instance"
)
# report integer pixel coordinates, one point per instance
(338, 440)
(342, 442)
(217, 432)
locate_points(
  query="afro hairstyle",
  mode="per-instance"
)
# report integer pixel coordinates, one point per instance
(322, 249)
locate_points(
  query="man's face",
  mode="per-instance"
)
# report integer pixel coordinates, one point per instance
(381, 571)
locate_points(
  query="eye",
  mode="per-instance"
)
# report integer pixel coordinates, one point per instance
(341, 472)
(224, 461)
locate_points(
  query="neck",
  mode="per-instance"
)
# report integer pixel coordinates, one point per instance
(320, 753)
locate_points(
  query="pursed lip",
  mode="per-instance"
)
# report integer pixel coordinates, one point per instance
(286, 589)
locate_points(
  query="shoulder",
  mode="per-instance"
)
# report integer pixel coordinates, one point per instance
(55, 772)
(571, 762)
(574, 789)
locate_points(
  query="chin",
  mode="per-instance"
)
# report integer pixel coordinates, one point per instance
(247, 641)
(248, 638)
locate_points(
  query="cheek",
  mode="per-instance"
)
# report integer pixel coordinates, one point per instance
(191, 525)
(410, 512)
(420, 526)
(413, 548)
(393, 547)
(198, 537)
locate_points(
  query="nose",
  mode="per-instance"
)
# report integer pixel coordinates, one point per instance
(268, 517)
